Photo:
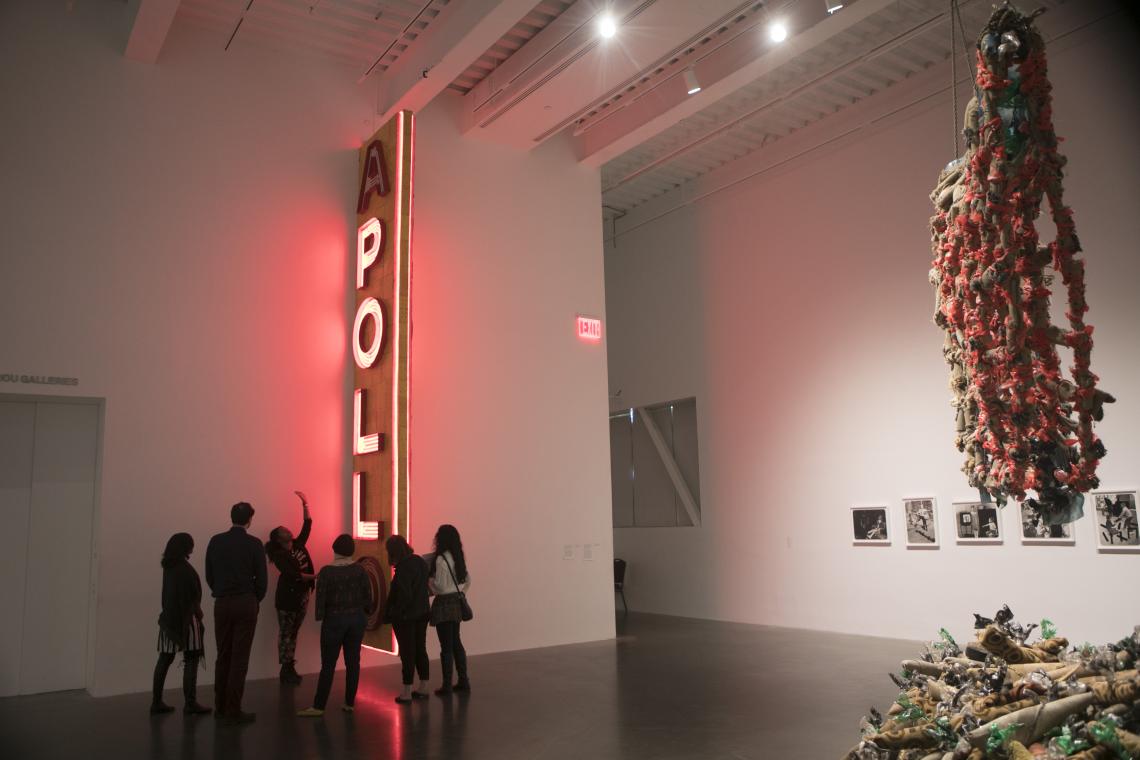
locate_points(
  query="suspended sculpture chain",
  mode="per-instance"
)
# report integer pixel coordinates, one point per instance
(1021, 423)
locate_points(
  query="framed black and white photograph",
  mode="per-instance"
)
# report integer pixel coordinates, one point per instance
(976, 523)
(1116, 528)
(1035, 531)
(921, 517)
(870, 525)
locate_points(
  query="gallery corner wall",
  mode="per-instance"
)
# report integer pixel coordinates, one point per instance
(794, 304)
(178, 237)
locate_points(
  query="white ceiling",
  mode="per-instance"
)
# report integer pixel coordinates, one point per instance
(358, 32)
(623, 104)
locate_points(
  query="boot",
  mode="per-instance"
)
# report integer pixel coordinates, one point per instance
(190, 688)
(289, 675)
(157, 706)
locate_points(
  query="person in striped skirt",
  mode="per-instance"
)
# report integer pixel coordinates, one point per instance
(180, 627)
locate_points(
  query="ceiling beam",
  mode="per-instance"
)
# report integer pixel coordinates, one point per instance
(152, 21)
(721, 73)
(463, 31)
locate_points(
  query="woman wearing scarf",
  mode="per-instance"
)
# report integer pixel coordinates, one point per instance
(344, 599)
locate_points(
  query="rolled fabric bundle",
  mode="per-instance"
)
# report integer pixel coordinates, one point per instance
(994, 706)
(932, 669)
(1130, 741)
(1054, 647)
(911, 737)
(1033, 722)
(1018, 751)
(1093, 753)
(998, 643)
(1112, 692)
(1055, 671)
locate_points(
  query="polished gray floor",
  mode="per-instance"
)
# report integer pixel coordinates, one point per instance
(667, 688)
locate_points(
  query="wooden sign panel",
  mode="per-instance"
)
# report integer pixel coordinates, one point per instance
(381, 331)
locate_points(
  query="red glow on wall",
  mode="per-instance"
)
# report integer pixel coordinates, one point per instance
(589, 328)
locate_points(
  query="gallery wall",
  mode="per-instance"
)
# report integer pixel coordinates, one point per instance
(177, 236)
(788, 292)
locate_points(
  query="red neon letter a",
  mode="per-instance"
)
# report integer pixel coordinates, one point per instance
(374, 179)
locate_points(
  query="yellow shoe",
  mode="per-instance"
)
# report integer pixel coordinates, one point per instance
(310, 712)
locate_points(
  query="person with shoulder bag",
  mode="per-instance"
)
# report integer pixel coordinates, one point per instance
(449, 582)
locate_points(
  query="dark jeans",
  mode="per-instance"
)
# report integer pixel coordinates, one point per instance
(189, 676)
(340, 631)
(451, 652)
(235, 619)
(411, 636)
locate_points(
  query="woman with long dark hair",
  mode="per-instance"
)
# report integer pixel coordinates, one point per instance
(288, 553)
(407, 610)
(180, 626)
(448, 581)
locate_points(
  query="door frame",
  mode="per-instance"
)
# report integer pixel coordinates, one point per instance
(96, 513)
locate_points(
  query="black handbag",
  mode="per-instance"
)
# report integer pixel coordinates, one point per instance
(465, 609)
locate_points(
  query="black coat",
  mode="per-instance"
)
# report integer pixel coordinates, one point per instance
(408, 595)
(181, 600)
(292, 589)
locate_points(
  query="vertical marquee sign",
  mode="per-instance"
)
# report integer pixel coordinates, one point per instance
(381, 334)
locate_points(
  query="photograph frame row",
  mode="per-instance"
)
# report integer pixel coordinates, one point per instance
(977, 522)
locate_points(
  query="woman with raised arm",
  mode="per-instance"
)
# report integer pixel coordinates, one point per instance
(288, 553)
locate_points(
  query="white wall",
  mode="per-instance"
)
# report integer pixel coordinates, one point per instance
(794, 305)
(510, 440)
(178, 237)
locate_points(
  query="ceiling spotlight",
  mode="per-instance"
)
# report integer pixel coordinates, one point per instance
(832, 6)
(777, 32)
(607, 26)
(691, 83)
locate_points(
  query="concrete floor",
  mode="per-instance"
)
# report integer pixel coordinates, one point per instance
(667, 688)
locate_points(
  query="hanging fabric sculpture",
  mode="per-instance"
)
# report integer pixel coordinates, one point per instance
(1022, 424)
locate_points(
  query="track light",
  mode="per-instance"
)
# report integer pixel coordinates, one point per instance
(832, 6)
(777, 32)
(607, 26)
(691, 83)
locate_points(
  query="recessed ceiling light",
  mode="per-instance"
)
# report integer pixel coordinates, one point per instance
(691, 83)
(777, 32)
(607, 26)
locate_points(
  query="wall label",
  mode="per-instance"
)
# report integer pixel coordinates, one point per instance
(38, 379)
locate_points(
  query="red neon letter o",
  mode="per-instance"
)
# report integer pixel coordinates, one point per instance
(368, 307)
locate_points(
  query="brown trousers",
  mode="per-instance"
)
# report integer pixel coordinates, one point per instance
(235, 619)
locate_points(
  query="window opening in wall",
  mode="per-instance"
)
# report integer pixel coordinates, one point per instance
(655, 472)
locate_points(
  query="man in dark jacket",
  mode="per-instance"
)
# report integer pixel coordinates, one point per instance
(237, 576)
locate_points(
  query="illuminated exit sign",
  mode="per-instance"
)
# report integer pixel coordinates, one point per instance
(589, 328)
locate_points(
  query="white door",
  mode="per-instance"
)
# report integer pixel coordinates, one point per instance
(48, 475)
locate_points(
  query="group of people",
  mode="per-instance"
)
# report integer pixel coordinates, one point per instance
(237, 576)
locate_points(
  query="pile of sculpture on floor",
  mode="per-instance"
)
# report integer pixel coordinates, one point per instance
(1023, 425)
(1005, 696)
